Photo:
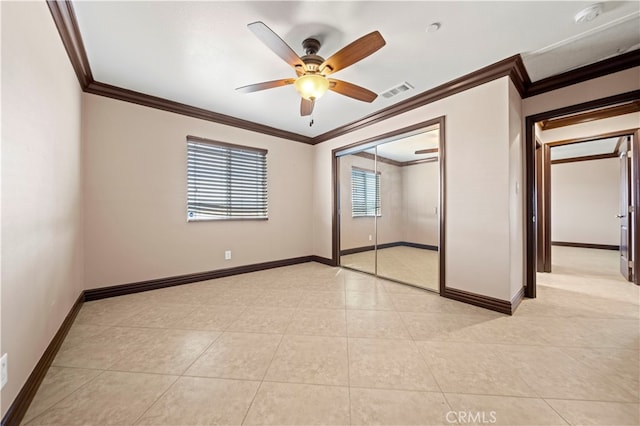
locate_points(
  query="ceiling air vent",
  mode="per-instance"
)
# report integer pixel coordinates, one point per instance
(403, 87)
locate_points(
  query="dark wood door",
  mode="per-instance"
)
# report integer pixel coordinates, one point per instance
(625, 198)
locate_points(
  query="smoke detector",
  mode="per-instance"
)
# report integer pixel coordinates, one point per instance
(588, 14)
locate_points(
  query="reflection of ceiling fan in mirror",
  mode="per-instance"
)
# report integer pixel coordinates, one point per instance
(312, 70)
(427, 151)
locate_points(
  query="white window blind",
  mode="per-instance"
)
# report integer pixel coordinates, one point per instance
(365, 193)
(225, 181)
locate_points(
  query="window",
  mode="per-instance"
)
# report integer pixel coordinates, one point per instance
(225, 181)
(365, 193)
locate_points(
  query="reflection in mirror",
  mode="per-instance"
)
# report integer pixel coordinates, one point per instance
(360, 206)
(389, 209)
(409, 253)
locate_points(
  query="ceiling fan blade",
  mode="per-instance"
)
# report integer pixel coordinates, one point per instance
(352, 53)
(266, 85)
(306, 107)
(427, 151)
(275, 43)
(352, 90)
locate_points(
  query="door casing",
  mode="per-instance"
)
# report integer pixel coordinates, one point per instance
(531, 228)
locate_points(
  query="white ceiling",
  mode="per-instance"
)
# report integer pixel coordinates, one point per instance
(404, 148)
(197, 53)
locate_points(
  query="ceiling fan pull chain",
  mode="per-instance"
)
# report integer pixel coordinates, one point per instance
(310, 121)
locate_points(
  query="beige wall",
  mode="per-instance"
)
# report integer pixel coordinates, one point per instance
(584, 202)
(516, 198)
(597, 88)
(421, 201)
(477, 179)
(135, 198)
(41, 188)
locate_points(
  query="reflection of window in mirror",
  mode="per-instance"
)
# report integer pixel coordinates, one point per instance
(365, 193)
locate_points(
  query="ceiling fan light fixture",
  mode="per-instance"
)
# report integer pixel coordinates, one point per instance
(312, 86)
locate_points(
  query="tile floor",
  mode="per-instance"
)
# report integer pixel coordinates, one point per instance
(310, 344)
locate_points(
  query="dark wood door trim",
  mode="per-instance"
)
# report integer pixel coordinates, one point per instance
(530, 174)
(635, 189)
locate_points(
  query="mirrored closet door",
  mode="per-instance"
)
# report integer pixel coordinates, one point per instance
(389, 207)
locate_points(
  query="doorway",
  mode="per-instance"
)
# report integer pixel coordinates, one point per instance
(388, 195)
(537, 165)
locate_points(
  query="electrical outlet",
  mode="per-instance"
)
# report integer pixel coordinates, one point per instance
(227, 255)
(4, 372)
(370, 237)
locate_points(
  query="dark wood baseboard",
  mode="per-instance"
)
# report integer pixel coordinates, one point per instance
(585, 245)
(420, 246)
(491, 303)
(323, 260)
(388, 245)
(516, 299)
(137, 287)
(18, 408)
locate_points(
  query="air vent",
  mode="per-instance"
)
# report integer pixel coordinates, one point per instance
(403, 87)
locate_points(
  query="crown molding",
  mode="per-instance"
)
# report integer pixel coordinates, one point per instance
(65, 19)
(127, 95)
(513, 67)
(584, 117)
(588, 72)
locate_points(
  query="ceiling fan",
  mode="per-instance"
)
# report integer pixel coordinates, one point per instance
(312, 70)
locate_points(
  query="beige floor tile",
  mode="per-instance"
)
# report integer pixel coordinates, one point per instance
(235, 297)
(432, 303)
(318, 322)
(57, 385)
(295, 404)
(365, 284)
(259, 319)
(210, 318)
(158, 315)
(202, 401)
(237, 356)
(324, 284)
(103, 350)
(501, 410)
(78, 333)
(380, 324)
(577, 382)
(621, 365)
(323, 300)
(390, 364)
(310, 359)
(438, 326)
(113, 398)
(395, 407)
(279, 298)
(379, 301)
(170, 352)
(107, 311)
(591, 332)
(393, 287)
(551, 373)
(597, 413)
(473, 368)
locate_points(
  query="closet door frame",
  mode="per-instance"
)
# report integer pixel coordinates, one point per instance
(377, 140)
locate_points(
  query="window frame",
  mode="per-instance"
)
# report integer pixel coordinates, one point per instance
(261, 180)
(377, 196)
